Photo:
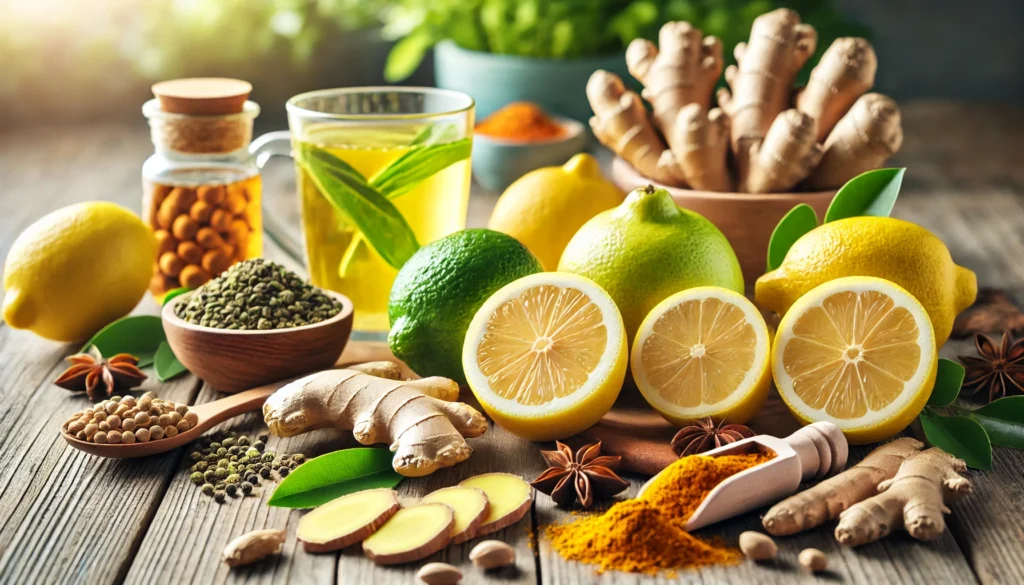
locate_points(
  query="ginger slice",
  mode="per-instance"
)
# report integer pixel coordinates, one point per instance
(347, 520)
(470, 505)
(509, 497)
(412, 534)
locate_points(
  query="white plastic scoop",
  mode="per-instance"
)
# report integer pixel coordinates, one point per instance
(813, 452)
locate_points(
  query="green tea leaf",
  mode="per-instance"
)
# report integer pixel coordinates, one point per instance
(800, 220)
(419, 164)
(333, 475)
(948, 380)
(138, 335)
(959, 436)
(373, 214)
(870, 193)
(174, 293)
(166, 363)
(1003, 419)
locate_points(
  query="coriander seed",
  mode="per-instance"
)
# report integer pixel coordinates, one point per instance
(231, 489)
(219, 497)
(207, 489)
(196, 478)
(246, 488)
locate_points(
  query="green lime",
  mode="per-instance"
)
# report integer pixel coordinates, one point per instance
(440, 288)
(648, 249)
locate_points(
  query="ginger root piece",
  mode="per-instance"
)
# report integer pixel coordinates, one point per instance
(620, 122)
(762, 80)
(412, 534)
(845, 72)
(346, 520)
(863, 140)
(701, 147)
(785, 157)
(509, 497)
(425, 429)
(828, 499)
(914, 499)
(470, 505)
(683, 69)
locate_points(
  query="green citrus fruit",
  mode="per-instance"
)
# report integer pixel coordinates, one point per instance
(441, 287)
(647, 249)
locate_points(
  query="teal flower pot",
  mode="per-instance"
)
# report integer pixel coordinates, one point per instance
(557, 85)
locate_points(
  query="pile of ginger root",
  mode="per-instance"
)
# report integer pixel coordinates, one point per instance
(765, 136)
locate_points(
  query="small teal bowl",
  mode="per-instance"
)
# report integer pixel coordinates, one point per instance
(498, 162)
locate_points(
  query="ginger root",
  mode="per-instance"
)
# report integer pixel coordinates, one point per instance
(425, 428)
(620, 122)
(347, 520)
(845, 72)
(701, 149)
(863, 140)
(413, 533)
(830, 498)
(509, 497)
(914, 499)
(470, 505)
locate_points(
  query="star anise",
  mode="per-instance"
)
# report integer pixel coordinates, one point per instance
(994, 311)
(91, 372)
(585, 476)
(998, 369)
(705, 435)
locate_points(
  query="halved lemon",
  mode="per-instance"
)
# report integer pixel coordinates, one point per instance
(703, 352)
(858, 352)
(546, 355)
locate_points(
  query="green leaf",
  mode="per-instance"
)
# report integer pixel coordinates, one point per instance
(166, 363)
(417, 165)
(373, 214)
(333, 475)
(138, 335)
(948, 380)
(870, 193)
(407, 54)
(177, 292)
(959, 436)
(800, 220)
(1003, 419)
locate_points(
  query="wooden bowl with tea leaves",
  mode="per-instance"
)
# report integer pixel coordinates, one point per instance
(235, 360)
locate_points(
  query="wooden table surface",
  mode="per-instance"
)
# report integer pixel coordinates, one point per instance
(66, 517)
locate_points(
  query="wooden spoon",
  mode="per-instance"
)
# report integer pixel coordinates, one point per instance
(210, 414)
(812, 452)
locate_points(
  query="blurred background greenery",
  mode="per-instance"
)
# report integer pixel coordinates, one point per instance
(89, 59)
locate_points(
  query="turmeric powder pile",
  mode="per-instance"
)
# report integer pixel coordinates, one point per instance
(521, 121)
(646, 535)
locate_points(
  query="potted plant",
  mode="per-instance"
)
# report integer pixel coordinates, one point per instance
(501, 51)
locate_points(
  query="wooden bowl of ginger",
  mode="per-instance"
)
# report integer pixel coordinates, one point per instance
(232, 360)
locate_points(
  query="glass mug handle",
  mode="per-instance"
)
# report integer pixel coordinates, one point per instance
(262, 149)
(271, 144)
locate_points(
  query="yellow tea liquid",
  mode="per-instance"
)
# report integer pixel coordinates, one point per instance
(434, 209)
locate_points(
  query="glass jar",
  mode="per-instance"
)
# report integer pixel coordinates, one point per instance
(202, 195)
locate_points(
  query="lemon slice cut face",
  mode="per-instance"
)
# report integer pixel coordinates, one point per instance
(703, 352)
(858, 352)
(546, 355)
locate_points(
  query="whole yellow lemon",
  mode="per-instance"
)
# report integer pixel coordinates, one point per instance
(883, 247)
(545, 207)
(648, 249)
(76, 270)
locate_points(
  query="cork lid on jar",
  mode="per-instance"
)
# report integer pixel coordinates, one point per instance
(202, 96)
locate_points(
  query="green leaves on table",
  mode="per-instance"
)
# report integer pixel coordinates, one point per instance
(1003, 420)
(871, 193)
(143, 337)
(948, 379)
(373, 214)
(800, 220)
(324, 478)
(959, 436)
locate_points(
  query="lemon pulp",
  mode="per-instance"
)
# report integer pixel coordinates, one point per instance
(853, 353)
(699, 352)
(542, 345)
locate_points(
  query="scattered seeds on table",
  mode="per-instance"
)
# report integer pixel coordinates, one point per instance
(233, 464)
(219, 496)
